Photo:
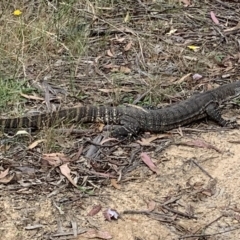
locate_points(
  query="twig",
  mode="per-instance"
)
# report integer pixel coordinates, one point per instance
(164, 217)
(178, 212)
(203, 170)
(208, 235)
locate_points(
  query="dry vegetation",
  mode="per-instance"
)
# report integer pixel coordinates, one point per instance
(58, 54)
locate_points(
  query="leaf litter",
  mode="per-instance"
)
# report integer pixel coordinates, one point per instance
(192, 40)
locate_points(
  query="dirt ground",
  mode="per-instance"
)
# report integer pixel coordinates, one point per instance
(207, 195)
(149, 53)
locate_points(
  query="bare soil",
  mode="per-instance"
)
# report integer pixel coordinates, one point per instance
(215, 207)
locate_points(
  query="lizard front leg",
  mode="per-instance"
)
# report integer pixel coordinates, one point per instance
(129, 127)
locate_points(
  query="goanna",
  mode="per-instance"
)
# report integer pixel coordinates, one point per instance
(131, 120)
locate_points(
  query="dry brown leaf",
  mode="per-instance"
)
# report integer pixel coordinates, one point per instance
(124, 69)
(186, 2)
(105, 175)
(6, 179)
(201, 144)
(95, 210)
(22, 132)
(171, 32)
(147, 160)
(66, 172)
(120, 40)
(3, 174)
(182, 79)
(127, 17)
(151, 206)
(5, 148)
(108, 140)
(31, 97)
(214, 18)
(106, 90)
(93, 233)
(111, 66)
(55, 159)
(100, 127)
(147, 141)
(115, 184)
(109, 53)
(113, 90)
(233, 28)
(128, 46)
(190, 210)
(79, 153)
(127, 30)
(207, 193)
(97, 58)
(35, 143)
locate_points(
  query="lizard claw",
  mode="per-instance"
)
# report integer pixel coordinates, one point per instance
(232, 124)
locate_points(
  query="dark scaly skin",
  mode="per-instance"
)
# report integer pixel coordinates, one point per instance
(132, 119)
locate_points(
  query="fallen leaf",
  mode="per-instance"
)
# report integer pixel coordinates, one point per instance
(111, 66)
(124, 69)
(127, 17)
(151, 206)
(32, 227)
(147, 141)
(128, 46)
(96, 59)
(66, 172)
(171, 32)
(147, 160)
(93, 233)
(214, 18)
(101, 127)
(120, 40)
(108, 140)
(211, 187)
(96, 209)
(4, 173)
(109, 53)
(76, 157)
(115, 184)
(35, 143)
(113, 90)
(190, 210)
(6, 179)
(105, 175)
(5, 148)
(186, 2)
(194, 48)
(201, 144)
(207, 193)
(233, 28)
(31, 97)
(22, 132)
(182, 79)
(55, 159)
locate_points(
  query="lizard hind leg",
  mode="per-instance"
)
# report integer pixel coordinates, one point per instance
(214, 113)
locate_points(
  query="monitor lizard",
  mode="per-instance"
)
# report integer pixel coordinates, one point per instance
(133, 119)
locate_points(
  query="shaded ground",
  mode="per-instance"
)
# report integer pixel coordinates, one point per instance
(148, 53)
